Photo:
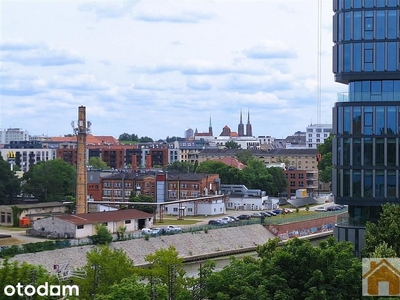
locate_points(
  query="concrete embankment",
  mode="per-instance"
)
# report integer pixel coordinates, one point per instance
(220, 241)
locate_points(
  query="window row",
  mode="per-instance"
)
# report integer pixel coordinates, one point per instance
(366, 57)
(368, 152)
(368, 120)
(349, 4)
(368, 184)
(366, 25)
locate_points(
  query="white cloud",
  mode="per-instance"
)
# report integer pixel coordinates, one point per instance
(156, 67)
(270, 50)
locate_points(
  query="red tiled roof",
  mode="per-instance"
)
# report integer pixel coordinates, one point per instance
(107, 216)
(231, 161)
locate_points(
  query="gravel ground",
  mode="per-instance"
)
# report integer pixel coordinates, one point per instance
(187, 244)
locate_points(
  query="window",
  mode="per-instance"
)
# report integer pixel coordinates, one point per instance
(292, 183)
(128, 221)
(175, 209)
(117, 184)
(190, 209)
(301, 176)
(292, 175)
(79, 227)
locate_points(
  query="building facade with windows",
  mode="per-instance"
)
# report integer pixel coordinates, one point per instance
(366, 120)
(316, 134)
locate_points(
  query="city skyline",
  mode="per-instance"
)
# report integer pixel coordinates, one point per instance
(154, 70)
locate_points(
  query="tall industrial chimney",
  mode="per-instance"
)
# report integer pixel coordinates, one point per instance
(81, 172)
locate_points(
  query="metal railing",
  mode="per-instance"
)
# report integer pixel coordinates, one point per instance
(368, 96)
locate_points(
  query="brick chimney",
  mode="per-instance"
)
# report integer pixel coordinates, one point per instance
(134, 163)
(148, 162)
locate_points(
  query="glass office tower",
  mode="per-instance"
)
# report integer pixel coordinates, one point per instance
(366, 120)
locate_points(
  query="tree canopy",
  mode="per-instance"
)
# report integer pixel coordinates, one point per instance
(143, 207)
(232, 145)
(50, 180)
(126, 137)
(96, 163)
(104, 268)
(325, 165)
(383, 237)
(295, 270)
(10, 184)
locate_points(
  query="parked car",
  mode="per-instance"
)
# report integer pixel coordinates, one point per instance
(320, 209)
(173, 229)
(244, 217)
(222, 221)
(334, 208)
(271, 213)
(288, 210)
(156, 231)
(256, 215)
(277, 211)
(234, 218)
(227, 219)
(146, 231)
(265, 214)
(215, 223)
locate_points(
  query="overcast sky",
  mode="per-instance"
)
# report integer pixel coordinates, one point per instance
(155, 68)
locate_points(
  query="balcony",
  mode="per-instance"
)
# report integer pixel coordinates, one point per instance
(365, 97)
(346, 221)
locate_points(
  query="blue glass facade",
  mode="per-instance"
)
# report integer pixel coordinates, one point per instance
(366, 122)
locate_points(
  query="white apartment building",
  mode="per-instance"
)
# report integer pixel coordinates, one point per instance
(13, 135)
(316, 134)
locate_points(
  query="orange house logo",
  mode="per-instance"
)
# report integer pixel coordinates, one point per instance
(381, 277)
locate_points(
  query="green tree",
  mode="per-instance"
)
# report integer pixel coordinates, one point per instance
(244, 156)
(295, 270)
(325, 164)
(143, 207)
(14, 273)
(127, 289)
(50, 180)
(96, 163)
(180, 166)
(145, 139)
(385, 231)
(103, 235)
(210, 167)
(278, 181)
(104, 268)
(167, 266)
(125, 137)
(232, 145)
(10, 185)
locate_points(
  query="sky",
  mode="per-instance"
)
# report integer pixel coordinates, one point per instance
(156, 68)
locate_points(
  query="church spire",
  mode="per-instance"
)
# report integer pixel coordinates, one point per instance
(241, 126)
(210, 131)
(249, 130)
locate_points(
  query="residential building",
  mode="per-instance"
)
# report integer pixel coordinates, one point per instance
(317, 133)
(24, 158)
(13, 135)
(300, 179)
(366, 120)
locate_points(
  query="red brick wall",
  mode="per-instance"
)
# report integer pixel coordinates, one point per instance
(306, 224)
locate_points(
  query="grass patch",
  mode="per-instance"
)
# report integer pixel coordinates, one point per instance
(168, 221)
(12, 228)
(10, 241)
